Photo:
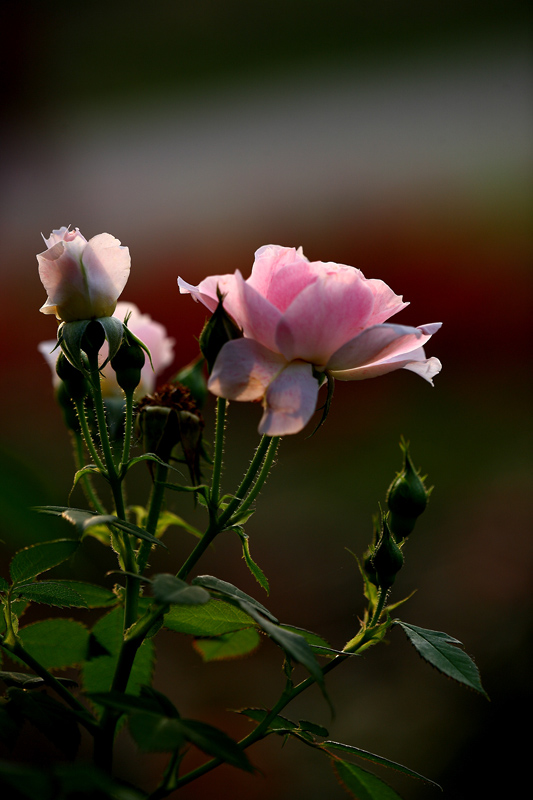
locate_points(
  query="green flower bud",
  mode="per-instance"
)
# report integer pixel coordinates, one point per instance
(217, 331)
(93, 337)
(407, 497)
(387, 559)
(74, 382)
(128, 364)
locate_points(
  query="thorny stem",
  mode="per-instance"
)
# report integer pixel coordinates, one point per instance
(219, 450)
(263, 475)
(382, 599)
(88, 488)
(154, 510)
(128, 428)
(80, 408)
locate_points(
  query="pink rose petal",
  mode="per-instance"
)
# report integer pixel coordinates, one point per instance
(325, 315)
(376, 344)
(244, 369)
(290, 400)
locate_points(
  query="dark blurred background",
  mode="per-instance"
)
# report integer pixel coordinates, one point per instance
(392, 136)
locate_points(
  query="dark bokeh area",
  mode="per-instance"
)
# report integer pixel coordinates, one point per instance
(395, 137)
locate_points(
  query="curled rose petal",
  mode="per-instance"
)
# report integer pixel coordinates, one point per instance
(244, 369)
(290, 400)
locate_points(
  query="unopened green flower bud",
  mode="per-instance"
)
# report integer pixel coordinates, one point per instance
(217, 331)
(407, 497)
(128, 364)
(387, 559)
(93, 337)
(73, 381)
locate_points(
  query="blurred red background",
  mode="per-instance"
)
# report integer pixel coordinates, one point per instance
(395, 138)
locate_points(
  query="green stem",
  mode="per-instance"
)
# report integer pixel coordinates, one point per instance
(266, 446)
(263, 475)
(219, 450)
(83, 715)
(259, 731)
(86, 482)
(128, 428)
(80, 408)
(115, 481)
(246, 482)
(382, 599)
(154, 510)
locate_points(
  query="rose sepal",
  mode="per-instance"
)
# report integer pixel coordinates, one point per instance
(70, 336)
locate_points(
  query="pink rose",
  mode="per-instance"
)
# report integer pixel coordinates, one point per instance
(83, 278)
(154, 336)
(299, 318)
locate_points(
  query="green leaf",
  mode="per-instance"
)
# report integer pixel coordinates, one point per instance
(439, 650)
(83, 520)
(4, 585)
(279, 724)
(312, 727)
(227, 589)
(26, 680)
(384, 762)
(318, 645)
(56, 643)
(292, 643)
(98, 673)
(54, 720)
(69, 336)
(172, 590)
(229, 645)
(17, 609)
(166, 520)
(50, 592)
(37, 558)
(361, 784)
(151, 701)
(215, 618)
(155, 733)
(256, 570)
(216, 743)
(93, 596)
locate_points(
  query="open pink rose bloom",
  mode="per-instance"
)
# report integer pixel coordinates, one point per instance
(83, 278)
(300, 318)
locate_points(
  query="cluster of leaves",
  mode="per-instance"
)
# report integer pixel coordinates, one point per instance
(224, 623)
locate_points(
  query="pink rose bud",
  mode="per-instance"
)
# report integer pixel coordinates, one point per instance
(300, 319)
(83, 278)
